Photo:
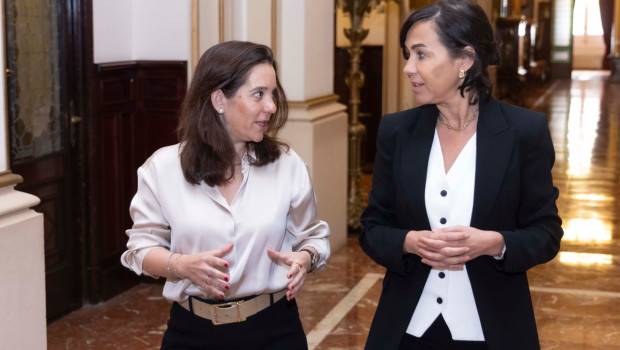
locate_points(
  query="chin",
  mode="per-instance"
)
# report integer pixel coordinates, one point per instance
(257, 139)
(423, 100)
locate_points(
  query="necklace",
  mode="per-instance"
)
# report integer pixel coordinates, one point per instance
(462, 127)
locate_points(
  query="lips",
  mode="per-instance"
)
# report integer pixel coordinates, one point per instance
(416, 86)
(262, 123)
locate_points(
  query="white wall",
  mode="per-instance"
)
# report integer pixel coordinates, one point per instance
(112, 30)
(161, 29)
(126, 30)
(251, 21)
(208, 25)
(305, 52)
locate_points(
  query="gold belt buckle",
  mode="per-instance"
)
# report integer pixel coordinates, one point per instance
(229, 307)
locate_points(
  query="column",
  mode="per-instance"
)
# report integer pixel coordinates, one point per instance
(22, 259)
(317, 125)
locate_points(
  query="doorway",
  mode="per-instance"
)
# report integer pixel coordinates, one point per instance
(43, 52)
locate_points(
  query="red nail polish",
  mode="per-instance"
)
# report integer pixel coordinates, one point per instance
(227, 287)
(292, 287)
(226, 279)
(289, 276)
(226, 265)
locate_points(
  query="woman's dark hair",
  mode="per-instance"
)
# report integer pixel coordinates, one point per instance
(461, 23)
(207, 151)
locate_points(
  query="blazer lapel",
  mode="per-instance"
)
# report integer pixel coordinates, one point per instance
(495, 145)
(415, 150)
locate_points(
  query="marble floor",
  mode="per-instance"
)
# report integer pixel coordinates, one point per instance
(576, 296)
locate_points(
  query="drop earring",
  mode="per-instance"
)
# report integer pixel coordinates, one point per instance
(461, 74)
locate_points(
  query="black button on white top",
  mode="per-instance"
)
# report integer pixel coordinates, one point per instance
(442, 275)
(439, 300)
(443, 193)
(443, 221)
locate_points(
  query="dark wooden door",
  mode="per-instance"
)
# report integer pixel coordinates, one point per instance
(134, 112)
(41, 51)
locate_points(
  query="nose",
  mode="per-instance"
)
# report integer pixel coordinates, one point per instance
(409, 67)
(270, 105)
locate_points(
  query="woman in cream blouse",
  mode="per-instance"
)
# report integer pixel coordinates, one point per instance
(228, 215)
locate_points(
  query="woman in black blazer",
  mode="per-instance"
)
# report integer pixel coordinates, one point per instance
(462, 201)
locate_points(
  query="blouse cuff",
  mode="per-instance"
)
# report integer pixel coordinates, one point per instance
(501, 256)
(133, 259)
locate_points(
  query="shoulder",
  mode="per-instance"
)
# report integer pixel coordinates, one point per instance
(164, 158)
(406, 120)
(528, 123)
(288, 157)
(520, 116)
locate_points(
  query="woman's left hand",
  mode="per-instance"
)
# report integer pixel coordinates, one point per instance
(479, 242)
(299, 263)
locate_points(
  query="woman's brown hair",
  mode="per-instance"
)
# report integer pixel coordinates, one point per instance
(207, 152)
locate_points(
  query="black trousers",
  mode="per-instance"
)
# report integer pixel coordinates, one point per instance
(438, 337)
(277, 327)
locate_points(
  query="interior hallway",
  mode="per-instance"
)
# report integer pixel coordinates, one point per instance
(576, 296)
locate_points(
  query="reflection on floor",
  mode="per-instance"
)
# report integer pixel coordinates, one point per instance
(576, 296)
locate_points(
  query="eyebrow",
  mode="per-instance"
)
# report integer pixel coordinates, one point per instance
(259, 88)
(413, 47)
(262, 89)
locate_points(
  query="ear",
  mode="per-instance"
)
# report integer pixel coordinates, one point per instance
(468, 55)
(217, 99)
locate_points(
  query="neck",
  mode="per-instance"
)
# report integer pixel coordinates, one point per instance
(241, 150)
(458, 120)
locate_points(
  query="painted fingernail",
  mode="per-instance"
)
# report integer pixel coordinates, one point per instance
(289, 276)
(226, 265)
(226, 278)
(227, 287)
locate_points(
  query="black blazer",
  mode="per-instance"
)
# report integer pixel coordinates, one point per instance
(513, 195)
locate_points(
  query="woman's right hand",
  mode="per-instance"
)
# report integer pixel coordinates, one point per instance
(207, 270)
(446, 253)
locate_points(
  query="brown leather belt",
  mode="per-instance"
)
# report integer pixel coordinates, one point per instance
(234, 311)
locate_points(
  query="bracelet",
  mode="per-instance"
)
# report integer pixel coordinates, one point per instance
(176, 265)
(313, 259)
(168, 265)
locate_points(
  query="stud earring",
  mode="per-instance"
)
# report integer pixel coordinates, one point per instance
(461, 74)
(221, 111)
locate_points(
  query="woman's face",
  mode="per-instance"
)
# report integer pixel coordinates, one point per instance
(247, 112)
(432, 72)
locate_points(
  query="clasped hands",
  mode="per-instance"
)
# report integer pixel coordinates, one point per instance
(209, 271)
(449, 248)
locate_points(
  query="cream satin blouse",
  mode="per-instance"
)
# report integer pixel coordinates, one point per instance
(275, 207)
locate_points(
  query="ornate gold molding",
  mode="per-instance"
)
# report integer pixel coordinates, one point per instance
(220, 8)
(274, 28)
(9, 179)
(195, 34)
(313, 102)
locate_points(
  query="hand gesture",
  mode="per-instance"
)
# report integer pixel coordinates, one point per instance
(449, 248)
(207, 271)
(299, 263)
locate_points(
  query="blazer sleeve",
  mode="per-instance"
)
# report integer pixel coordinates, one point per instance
(538, 232)
(380, 238)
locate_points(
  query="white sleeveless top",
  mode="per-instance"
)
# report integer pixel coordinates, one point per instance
(449, 199)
